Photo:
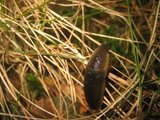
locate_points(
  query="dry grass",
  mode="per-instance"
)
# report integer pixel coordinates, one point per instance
(44, 48)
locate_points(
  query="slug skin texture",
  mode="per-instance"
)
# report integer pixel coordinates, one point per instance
(95, 77)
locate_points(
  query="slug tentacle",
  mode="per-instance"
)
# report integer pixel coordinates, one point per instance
(95, 77)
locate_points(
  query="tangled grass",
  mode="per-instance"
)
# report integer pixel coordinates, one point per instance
(45, 45)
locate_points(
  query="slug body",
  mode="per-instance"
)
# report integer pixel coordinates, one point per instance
(95, 77)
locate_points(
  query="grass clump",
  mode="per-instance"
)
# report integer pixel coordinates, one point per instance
(44, 48)
(34, 85)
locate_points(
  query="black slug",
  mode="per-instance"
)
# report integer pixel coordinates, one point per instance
(95, 77)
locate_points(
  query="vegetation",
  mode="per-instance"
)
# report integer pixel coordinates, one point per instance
(45, 45)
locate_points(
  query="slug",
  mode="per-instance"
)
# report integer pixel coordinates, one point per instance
(95, 77)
